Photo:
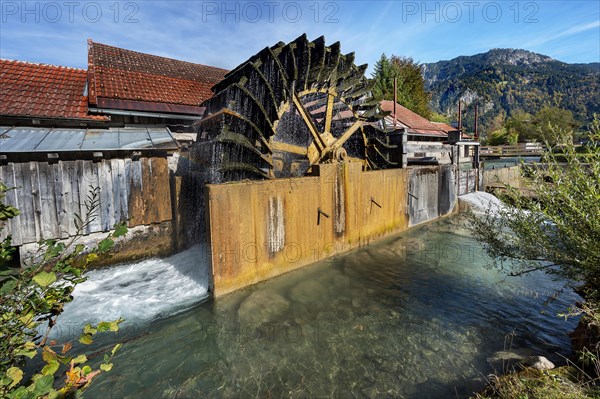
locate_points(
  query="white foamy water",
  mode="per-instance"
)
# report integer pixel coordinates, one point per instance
(480, 202)
(140, 291)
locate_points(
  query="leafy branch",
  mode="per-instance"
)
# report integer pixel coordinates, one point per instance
(33, 297)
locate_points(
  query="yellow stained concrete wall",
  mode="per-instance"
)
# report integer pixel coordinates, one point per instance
(259, 230)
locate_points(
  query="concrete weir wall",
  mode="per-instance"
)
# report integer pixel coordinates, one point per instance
(431, 193)
(258, 230)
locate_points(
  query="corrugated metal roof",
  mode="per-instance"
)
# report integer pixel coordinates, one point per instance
(37, 139)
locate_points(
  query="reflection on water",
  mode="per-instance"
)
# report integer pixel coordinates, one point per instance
(414, 316)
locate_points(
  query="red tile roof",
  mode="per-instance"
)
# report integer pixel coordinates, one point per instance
(415, 122)
(43, 91)
(444, 126)
(126, 79)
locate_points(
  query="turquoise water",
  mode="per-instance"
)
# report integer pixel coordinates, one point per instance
(413, 316)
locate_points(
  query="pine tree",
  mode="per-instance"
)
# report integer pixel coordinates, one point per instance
(411, 91)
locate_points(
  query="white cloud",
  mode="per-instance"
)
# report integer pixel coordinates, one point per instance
(569, 32)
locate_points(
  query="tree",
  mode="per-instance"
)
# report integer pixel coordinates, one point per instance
(550, 124)
(520, 124)
(501, 137)
(411, 91)
(554, 125)
(497, 121)
(558, 231)
(32, 298)
(436, 117)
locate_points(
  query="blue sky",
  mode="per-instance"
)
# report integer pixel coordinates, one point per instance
(225, 33)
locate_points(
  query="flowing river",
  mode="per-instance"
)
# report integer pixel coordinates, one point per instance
(416, 315)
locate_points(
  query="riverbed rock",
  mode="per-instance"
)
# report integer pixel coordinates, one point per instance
(538, 362)
(407, 246)
(505, 360)
(263, 306)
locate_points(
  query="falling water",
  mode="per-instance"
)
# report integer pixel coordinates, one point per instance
(480, 202)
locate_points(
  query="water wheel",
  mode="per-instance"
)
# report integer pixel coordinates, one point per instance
(285, 109)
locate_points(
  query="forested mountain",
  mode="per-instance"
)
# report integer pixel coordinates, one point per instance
(504, 81)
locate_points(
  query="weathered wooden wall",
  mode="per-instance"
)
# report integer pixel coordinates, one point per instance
(500, 177)
(468, 181)
(432, 192)
(50, 196)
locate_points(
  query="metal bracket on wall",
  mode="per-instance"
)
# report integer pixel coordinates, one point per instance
(320, 212)
(371, 204)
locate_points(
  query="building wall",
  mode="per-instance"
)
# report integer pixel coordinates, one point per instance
(259, 230)
(52, 196)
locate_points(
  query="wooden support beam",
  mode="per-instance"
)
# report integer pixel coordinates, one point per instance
(329, 112)
(344, 137)
(318, 140)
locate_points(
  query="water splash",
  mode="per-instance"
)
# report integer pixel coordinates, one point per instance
(142, 291)
(480, 202)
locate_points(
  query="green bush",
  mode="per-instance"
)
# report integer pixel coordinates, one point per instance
(32, 298)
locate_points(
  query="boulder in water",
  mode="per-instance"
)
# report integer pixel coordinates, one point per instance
(538, 362)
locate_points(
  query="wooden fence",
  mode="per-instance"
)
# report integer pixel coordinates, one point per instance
(50, 196)
(523, 149)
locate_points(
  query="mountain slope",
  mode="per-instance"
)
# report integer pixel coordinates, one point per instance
(506, 80)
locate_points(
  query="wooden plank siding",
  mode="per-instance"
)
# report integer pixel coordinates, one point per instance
(50, 195)
(467, 181)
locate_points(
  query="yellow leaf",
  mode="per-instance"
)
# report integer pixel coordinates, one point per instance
(44, 279)
(115, 349)
(27, 320)
(90, 258)
(50, 368)
(15, 374)
(48, 354)
(80, 359)
(86, 339)
(106, 366)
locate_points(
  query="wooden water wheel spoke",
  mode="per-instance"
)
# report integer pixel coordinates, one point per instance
(297, 103)
(346, 135)
(329, 112)
(318, 140)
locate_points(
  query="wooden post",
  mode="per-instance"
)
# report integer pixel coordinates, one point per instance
(476, 137)
(395, 99)
(459, 116)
